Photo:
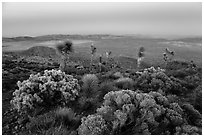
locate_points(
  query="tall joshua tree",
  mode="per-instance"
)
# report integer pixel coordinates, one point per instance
(64, 49)
(140, 56)
(108, 53)
(93, 51)
(170, 53)
(165, 58)
(100, 63)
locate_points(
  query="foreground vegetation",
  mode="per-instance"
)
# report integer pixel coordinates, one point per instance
(102, 100)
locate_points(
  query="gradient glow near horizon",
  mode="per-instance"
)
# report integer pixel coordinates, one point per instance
(157, 19)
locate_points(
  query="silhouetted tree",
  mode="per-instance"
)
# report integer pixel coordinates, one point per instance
(170, 53)
(93, 51)
(140, 56)
(64, 49)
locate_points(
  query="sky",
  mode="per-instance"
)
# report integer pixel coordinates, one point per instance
(154, 19)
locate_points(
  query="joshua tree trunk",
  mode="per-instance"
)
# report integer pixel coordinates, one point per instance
(63, 62)
(91, 64)
(139, 60)
(100, 63)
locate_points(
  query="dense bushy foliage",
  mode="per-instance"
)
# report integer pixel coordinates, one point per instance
(124, 83)
(49, 89)
(193, 80)
(66, 116)
(197, 102)
(90, 84)
(40, 123)
(92, 125)
(134, 112)
(56, 131)
(104, 88)
(117, 75)
(147, 102)
(152, 79)
(194, 116)
(65, 47)
(188, 130)
(89, 92)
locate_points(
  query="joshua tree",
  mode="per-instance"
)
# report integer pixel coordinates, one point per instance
(170, 53)
(64, 49)
(100, 63)
(140, 56)
(108, 53)
(165, 57)
(93, 51)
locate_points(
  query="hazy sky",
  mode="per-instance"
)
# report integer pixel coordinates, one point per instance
(158, 19)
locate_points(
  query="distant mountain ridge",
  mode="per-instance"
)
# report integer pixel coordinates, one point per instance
(54, 37)
(193, 39)
(20, 38)
(75, 36)
(92, 36)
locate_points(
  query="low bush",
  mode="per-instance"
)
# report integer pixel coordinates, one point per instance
(152, 79)
(197, 103)
(90, 85)
(41, 123)
(66, 117)
(104, 88)
(56, 131)
(124, 83)
(92, 125)
(188, 130)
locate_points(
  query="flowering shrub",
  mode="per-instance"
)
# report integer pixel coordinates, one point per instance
(152, 79)
(188, 130)
(124, 107)
(92, 125)
(194, 116)
(135, 112)
(51, 88)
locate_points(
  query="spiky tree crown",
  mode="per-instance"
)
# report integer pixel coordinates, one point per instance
(141, 52)
(65, 47)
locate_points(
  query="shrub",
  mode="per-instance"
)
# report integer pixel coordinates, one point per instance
(152, 79)
(188, 130)
(106, 87)
(175, 65)
(117, 75)
(125, 107)
(56, 131)
(49, 89)
(198, 98)
(135, 112)
(41, 123)
(193, 80)
(65, 116)
(88, 98)
(90, 85)
(92, 125)
(194, 116)
(124, 83)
